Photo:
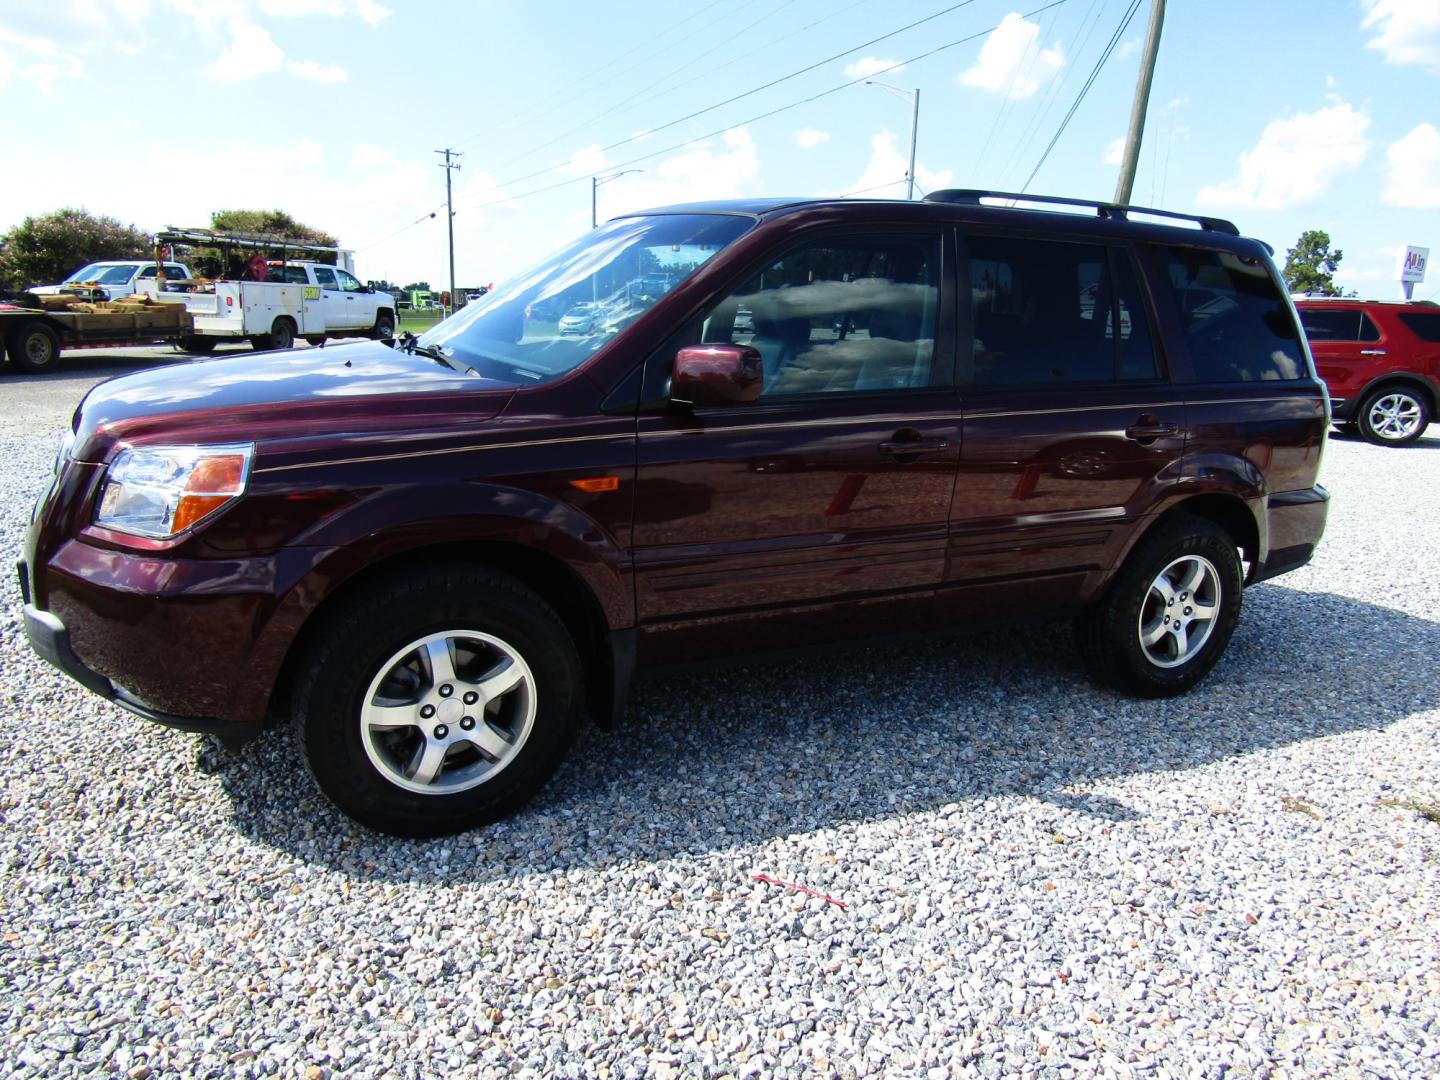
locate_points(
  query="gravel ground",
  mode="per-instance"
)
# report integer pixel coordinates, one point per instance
(1038, 877)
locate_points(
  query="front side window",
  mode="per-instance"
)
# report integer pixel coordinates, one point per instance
(1235, 319)
(839, 316)
(1047, 311)
(545, 322)
(348, 281)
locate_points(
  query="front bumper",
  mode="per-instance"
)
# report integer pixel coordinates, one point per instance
(51, 638)
(1340, 408)
(51, 642)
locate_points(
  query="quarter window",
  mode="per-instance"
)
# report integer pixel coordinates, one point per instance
(1236, 322)
(1423, 324)
(1047, 312)
(845, 316)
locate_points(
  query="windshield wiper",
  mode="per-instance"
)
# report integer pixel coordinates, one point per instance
(440, 356)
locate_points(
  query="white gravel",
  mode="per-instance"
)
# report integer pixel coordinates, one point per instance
(1039, 877)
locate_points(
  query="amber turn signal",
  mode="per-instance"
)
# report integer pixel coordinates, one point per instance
(213, 482)
(596, 484)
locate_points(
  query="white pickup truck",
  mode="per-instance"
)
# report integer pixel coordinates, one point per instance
(118, 278)
(310, 300)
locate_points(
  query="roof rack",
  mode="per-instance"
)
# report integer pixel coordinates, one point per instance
(972, 197)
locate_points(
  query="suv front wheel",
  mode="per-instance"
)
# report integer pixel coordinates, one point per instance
(438, 701)
(1169, 613)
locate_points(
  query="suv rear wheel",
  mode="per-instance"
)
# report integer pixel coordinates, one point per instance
(1169, 613)
(1393, 416)
(438, 701)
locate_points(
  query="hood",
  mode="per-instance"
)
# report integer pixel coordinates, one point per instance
(360, 387)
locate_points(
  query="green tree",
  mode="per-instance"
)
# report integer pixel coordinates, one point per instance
(1310, 265)
(44, 249)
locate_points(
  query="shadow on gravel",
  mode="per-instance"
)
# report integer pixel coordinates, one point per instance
(1429, 441)
(742, 755)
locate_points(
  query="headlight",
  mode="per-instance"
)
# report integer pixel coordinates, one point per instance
(160, 491)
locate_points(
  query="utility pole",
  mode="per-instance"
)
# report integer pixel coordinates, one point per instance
(914, 131)
(449, 167)
(1142, 100)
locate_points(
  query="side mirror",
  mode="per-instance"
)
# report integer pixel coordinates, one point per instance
(716, 375)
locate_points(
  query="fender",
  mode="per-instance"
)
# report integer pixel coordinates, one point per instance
(394, 521)
(1413, 379)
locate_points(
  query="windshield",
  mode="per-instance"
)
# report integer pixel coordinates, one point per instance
(104, 274)
(545, 322)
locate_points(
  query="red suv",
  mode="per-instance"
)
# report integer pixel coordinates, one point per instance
(840, 418)
(1381, 362)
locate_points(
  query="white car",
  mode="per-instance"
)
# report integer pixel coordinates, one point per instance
(118, 278)
(583, 318)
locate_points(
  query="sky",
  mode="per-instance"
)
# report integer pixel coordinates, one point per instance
(1282, 115)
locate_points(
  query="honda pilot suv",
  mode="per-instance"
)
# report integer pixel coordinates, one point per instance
(434, 557)
(1381, 363)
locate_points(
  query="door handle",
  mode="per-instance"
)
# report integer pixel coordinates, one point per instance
(907, 447)
(1372, 352)
(1144, 432)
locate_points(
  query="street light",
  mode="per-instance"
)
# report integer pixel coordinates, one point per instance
(595, 182)
(912, 96)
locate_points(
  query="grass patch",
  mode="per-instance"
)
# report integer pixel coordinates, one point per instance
(1298, 806)
(1428, 810)
(417, 322)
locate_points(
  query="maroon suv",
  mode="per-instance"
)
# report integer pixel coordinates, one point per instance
(832, 418)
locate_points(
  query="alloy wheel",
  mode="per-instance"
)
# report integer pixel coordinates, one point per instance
(1180, 611)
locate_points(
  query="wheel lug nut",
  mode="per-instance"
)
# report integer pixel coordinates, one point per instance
(446, 690)
(1188, 611)
(427, 711)
(1170, 602)
(467, 723)
(441, 731)
(471, 697)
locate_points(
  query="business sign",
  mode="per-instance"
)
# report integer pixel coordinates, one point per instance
(1412, 264)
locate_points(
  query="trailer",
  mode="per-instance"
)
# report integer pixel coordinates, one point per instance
(34, 336)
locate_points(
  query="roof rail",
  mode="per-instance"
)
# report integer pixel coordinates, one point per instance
(972, 197)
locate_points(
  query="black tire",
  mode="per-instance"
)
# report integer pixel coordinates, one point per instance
(1109, 633)
(34, 348)
(1402, 430)
(282, 333)
(384, 326)
(316, 340)
(357, 644)
(198, 344)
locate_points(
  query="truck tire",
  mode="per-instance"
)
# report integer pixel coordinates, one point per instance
(384, 326)
(34, 347)
(281, 336)
(197, 344)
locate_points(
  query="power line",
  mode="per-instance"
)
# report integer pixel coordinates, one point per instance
(1094, 73)
(739, 123)
(766, 86)
(767, 115)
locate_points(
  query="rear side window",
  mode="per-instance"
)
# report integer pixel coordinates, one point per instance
(1338, 325)
(1423, 324)
(1048, 311)
(1236, 322)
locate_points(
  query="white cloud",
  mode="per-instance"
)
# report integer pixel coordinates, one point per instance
(368, 10)
(700, 171)
(370, 156)
(809, 138)
(1128, 48)
(251, 52)
(587, 161)
(316, 71)
(1011, 61)
(1114, 151)
(872, 65)
(884, 175)
(1412, 174)
(36, 62)
(1294, 161)
(1406, 31)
